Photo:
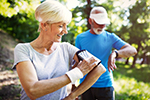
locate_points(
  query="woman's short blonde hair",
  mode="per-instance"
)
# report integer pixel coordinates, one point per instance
(52, 12)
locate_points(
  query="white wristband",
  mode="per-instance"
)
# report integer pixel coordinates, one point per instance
(74, 74)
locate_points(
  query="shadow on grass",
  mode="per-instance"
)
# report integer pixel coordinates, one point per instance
(141, 72)
(132, 83)
(10, 92)
(9, 85)
(127, 97)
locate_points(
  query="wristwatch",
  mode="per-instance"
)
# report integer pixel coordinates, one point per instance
(116, 53)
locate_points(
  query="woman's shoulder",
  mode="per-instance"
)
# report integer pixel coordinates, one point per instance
(67, 45)
(22, 46)
(64, 44)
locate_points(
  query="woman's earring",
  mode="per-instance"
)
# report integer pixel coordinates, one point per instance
(45, 29)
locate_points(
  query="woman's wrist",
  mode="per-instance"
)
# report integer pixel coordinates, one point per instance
(74, 74)
(71, 96)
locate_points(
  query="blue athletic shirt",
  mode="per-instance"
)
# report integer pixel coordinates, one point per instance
(100, 46)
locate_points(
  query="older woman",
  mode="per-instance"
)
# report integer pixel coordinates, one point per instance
(42, 65)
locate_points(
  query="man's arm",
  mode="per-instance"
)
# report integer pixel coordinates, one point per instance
(126, 51)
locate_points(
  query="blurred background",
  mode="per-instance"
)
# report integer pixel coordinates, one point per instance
(130, 20)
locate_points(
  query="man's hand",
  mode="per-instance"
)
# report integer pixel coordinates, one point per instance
(111, 62)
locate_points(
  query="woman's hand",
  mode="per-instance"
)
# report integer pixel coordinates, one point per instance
(87, 65)
(90, 79)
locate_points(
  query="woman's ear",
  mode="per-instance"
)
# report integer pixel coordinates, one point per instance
(43, 26)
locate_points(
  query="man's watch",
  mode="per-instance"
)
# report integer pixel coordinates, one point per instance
(116, 53)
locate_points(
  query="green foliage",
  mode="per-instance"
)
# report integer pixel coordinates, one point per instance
(137, 30)
(21, 24)
(129, 83)
(139, 23)
(20, 27)
(8, 8)
(17, 18)
(5, 9)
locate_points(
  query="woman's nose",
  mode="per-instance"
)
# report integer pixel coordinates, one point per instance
(65, 30)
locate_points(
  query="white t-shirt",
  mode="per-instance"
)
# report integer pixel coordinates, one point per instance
(47, 66)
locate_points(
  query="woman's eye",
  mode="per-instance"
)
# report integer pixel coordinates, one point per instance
(60, 26)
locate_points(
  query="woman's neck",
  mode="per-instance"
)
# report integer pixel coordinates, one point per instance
(43, 46)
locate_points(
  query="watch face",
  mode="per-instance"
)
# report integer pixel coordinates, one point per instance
(83, 54)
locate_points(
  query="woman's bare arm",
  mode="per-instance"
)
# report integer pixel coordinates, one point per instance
(35, 88)
(90, 79)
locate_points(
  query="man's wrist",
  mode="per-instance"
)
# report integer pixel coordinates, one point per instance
(116, 53)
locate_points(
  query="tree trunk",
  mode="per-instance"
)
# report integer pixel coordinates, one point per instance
(144, 57)
(135, 57)
(147, 60)
(88, 9)
(127, 61)
(134, 61)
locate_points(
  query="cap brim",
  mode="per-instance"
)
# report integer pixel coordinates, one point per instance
(102, 21)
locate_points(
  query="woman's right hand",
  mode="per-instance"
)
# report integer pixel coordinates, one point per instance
(87, 65)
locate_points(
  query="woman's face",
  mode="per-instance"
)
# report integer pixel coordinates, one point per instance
(57, 30)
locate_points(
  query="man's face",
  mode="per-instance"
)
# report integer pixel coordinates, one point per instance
(97, 28)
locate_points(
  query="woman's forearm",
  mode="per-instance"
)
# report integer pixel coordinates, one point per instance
(90, 79)
(44, 87)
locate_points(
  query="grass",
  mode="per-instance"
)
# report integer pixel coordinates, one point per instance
(129, 84)
(132, 84)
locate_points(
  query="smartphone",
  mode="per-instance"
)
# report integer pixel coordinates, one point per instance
(83, 54)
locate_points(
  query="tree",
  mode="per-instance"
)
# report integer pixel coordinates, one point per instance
(18, 19)
(139, 24)
(137, 29)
